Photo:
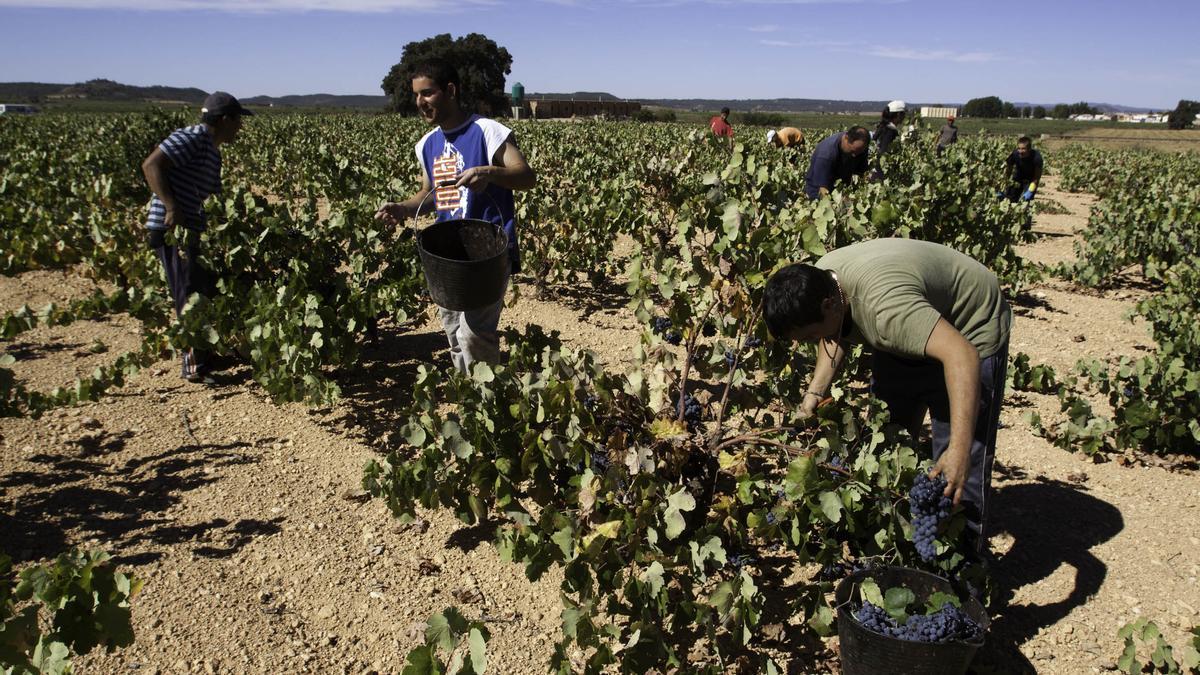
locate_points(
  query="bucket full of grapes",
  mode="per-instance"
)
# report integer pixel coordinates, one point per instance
(901, 620)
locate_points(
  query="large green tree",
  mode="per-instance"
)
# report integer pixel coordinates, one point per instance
(481, 63)
(988, 106)
(1184, 114)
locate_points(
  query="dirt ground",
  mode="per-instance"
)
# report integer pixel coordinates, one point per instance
(261, 554)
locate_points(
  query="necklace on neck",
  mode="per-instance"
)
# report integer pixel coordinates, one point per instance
(842, 299)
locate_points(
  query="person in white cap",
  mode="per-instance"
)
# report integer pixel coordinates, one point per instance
(787, 137)
(182, 172)
(886, 133)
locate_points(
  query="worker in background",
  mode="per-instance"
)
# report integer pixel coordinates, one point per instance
(720, 125)
(182, 172)
(1022, 172)
(787, 137)
(886, 132)
(839, 157)
(947, 136)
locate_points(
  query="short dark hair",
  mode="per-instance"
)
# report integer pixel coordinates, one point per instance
(724, 111)
(858, 133)
(212, 118)
(1025, 140)
(440, 71)
(793, 297)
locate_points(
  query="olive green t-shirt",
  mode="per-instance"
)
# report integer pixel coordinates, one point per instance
(899, 288)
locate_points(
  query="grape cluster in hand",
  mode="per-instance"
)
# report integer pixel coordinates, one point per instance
(662, 326)
(928, 507)
(948, 624)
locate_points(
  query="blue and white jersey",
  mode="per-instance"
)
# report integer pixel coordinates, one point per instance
(445, 155)
(195, 174)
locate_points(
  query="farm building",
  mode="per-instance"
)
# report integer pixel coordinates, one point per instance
(930, 111)
(560, 108)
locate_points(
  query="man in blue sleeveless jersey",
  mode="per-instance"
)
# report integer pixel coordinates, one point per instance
(182, 172)
(475, 164)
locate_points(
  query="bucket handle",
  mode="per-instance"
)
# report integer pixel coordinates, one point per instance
(446, 183)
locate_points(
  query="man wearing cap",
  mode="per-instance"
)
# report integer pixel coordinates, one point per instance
(720, 125)
(947, 136)
(839, 157)
(787, 137)
(886, 133)
(1022, 171)
(475, 164)
(182, 172)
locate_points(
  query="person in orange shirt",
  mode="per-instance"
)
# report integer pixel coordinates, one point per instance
(787, 137)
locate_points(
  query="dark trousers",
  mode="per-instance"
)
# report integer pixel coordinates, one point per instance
(185, 276)
(911, 387)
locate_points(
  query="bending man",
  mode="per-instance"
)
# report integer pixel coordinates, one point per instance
(938, 326)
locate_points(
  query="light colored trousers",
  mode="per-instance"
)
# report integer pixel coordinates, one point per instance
(473, 335)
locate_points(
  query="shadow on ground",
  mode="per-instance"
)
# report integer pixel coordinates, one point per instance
(1052, 524)
(84, 493)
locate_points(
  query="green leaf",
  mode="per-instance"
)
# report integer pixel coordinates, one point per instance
(482, 372)
(421, 661)
(869, 591)
(607, 530)
(896, 601)
(673, 517)
(653, 577)
(831, 506)
(938, 600)
(822, 621)
(478, 645)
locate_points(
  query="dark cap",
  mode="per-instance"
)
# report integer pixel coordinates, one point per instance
(223, 103)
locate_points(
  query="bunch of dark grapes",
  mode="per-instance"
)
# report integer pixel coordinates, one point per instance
(754, 343)
(691, 411)
(730, 358)
(600, 461)
(875, 619)
(738, 561)
(948, 624)
(590, 402)
(662, 326)
(928, 507)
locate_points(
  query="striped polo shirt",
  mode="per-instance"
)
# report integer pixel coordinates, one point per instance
(194, 175)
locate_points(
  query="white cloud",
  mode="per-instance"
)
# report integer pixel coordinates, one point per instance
(806, 43)
(764, 28)
(911, 54)
(256, 6)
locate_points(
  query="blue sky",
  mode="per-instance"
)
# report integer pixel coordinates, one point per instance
(1103, 51)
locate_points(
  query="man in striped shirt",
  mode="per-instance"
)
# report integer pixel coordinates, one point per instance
(182, 172)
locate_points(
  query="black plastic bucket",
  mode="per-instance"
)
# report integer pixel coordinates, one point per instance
(865, 652)
(465, 263)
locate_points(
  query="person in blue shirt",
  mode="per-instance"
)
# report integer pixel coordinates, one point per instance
(837, 158)
(475, 164)
(1022, 172)
(182, 172)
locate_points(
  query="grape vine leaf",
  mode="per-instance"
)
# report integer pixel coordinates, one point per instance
(676, 503)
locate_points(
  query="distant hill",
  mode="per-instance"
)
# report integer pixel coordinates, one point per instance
(575, 96)
(96, 90)
(108, 90)
(771, 104)
(363, 102)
